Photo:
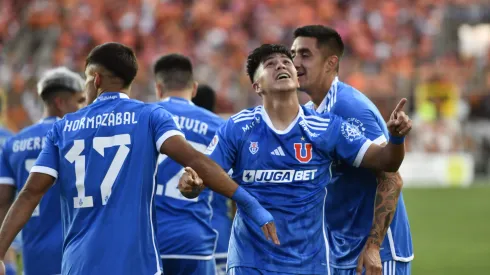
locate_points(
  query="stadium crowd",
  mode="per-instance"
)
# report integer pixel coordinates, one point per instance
(394, 48)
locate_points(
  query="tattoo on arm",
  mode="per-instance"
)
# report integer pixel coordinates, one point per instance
(387, 193)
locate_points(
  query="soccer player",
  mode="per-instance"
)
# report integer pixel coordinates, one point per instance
(62, 92)
(364, 236)
(282, 154)
(186, 236)
(104, 158)
(10, 258)
(221, 205)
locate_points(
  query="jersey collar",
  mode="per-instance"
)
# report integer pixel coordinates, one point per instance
(330, 98)
(49, 119)
(268, 121)
(177, 100)
(111, 96)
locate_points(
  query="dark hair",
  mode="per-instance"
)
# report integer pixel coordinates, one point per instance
(205, 97)
(257, 56)
(117, 58)
(326, 37)
(174, 71)
(51, 93)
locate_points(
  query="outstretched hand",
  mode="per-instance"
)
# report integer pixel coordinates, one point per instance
(399, 124)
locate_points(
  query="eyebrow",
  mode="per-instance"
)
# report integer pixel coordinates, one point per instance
(302, 50)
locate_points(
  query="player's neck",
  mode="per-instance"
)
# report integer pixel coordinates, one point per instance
(113, 89)
(180, 94)
(320, 92)
(282, 109)
(52, 112)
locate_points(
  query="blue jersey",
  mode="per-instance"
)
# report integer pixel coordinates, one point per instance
(354, 189)
(287, 171)
(4, 135)
(222, 223)
(42, 236)
(104, 157)
(184, 225)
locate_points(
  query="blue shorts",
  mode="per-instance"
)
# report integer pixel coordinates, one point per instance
(241, 270)
(188, 267)
(221, 266)
(389, 268)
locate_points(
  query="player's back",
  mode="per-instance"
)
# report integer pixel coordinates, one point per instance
(42, 234)
(355, 188)
(107, 163)
(184, 225)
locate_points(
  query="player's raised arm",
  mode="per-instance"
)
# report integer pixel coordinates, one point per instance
(390, 157)
(218, 180)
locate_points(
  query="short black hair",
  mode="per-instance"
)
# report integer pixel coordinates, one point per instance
(174, 71)
(51, 93)
(205, 97)
(258, 56)
(119, 59)
(326, 37)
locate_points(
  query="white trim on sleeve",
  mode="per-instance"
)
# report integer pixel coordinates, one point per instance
(361, 153)
(45, 170)
(7, 181)
(380, 140)
(167, 135)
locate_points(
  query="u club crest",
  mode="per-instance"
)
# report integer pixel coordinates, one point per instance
(254, 147)
(303, 156)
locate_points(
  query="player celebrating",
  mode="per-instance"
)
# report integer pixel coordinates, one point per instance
(186, 237)
(317, 51)
(282, 153)
(62, 92)
(105, 157)
(221, 205)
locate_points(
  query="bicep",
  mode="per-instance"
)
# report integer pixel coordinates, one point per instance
(178, 149)
(7, 195)
(371, 157)
(38, 183)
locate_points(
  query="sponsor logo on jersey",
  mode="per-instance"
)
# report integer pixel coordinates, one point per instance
(303, 156)
(254, 147)
(212, 145)
(278, 176)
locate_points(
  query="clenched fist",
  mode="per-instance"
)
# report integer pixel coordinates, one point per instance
(190, 184)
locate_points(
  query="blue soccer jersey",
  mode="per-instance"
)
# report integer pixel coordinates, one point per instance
(42, 235)
(184, 225)
(350, 200)
(104, 157)
(287, 171)
(222, 223)
(4, 135)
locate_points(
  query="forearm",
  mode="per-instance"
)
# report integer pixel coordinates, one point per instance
(213, 175)
(387, 194)
(17, 217)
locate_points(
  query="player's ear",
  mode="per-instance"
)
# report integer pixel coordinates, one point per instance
(256, 87)
(97, 80)
(194, 88)
(158, 90)
(332, 62)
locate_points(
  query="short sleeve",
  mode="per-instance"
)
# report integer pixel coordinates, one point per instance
(345, 142)
(48, 160)
(163, 126)
(360, 115)
(222, 148)
(6, 174)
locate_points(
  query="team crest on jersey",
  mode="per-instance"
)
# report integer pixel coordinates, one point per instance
(357, 124)
(303, 156)
(254, 147)
(351, 131)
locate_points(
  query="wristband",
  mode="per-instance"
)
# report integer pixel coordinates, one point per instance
(397, 140)
(251, 207)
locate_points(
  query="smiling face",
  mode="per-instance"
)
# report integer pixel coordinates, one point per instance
(276, 73)
(309, 61)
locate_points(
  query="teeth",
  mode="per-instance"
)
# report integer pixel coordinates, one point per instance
(281, 76)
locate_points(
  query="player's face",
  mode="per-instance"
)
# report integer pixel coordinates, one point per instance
(309, 62)
(90, 87)
(74, 102)
(276, 73)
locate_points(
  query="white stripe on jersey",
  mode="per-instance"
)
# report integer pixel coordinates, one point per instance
(157, 251)
(324, 232)
(316, 123)
(394, 267)
(7, 181)
(385, 272)
(317, 118)
(246, 113)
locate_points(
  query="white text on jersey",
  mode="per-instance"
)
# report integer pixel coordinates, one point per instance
(106, 119)
(191, 124)
(33, 143)
(278, 176)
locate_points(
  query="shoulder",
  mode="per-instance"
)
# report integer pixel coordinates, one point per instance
(352, 99)
(245, 117)
(312, 116)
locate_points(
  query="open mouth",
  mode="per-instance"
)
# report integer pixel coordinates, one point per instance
(283, 76)
(300, 74)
